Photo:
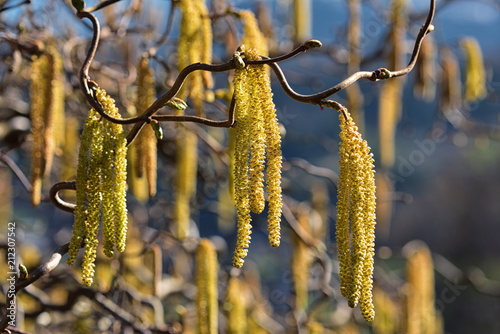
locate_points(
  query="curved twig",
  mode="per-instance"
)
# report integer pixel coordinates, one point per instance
(58, 201)
(39, 272)
(379, 74)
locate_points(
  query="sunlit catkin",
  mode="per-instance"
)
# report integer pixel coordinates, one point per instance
(388, 314)
(206, 284)
(420, 312)
(47, 106)
(355, 210)
(302, 20)
(146, 157)
(256, 131)
(241, 148)
(425, 87)
(187, 162)
(354, 94)
(475, 77)
(195, 45)
(235, 307)
(302, 258)
(451, 86)
(388, 117)
(100, 188)
(252, 36)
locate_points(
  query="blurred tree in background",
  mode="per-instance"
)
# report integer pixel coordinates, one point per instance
(200, 148)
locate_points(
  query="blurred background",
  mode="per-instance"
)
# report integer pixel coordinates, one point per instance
(434, 134)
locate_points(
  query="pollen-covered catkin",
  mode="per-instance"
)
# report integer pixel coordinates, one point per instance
(425, 87)
(100, 187)
(256, 131)
(356, 207)
(241, 195)
(475, 77)
(195, 45)
(252, 36)
(420, 311)
(206, 284)
(235, 306)
(146, 157)
(451, 87)
(47, 106)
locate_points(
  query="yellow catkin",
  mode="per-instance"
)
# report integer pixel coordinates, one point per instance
(302, 20)
(146, 157)
(356, 207)
(69, 156)
(420, 312)
(320, 201)
(451, 87)
(254, 134)
(206, 284)
(475, 77)
(235, 307)
(100, 187)
(387, 318)
(137, 185)
(94, 198)
(241, 195)
(425, 87)
(252, 36)
(47, 114)
(195, 45)
(186, 144)
(354, 94)
(91, 124)
(118, 192)
(257, 139)
(40, 90)
(388, 117)
(57, 105)
(384, 204)
(274, 159)
(391, 93)
(302, 258)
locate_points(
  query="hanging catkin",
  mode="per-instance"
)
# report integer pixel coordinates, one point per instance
(256, 132)
(146, 155)
(206, 285)
(47, 108)
(475, 77)
(100, 188)
(419, 288)
(195, 45)
(355, 212)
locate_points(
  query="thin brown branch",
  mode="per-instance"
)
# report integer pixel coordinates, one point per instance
(376, 75)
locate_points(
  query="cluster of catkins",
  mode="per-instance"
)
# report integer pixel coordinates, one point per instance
(100, 187)
(257, 134)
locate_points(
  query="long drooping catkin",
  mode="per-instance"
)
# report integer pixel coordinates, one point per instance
(235, 306)
(256, 131)
(206, 284)
(420, 312)
(146, 157)
(187, 163)
(47, 107)
(355, 211)
(100, 188)
(195, 45)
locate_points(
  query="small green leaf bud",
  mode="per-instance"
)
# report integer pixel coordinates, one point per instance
(23, 271)
(157, 129)
(312, 44)
(176, 103)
